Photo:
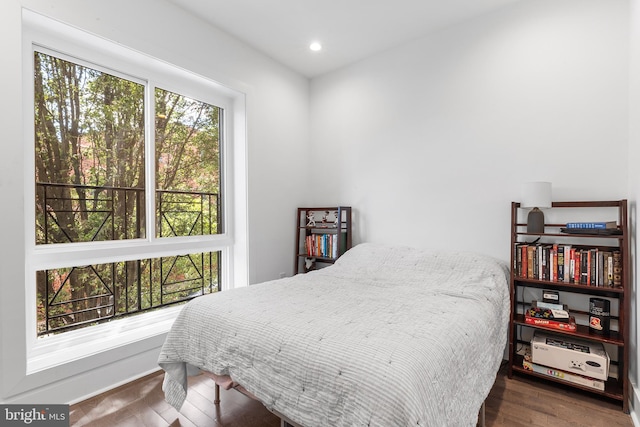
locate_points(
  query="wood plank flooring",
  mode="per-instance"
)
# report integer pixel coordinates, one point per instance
(512, 402)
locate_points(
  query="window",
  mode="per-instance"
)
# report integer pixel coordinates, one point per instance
(90, 163)
(137, 196)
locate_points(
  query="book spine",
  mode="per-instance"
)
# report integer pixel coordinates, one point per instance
(609, 269)
(617, 269)
(541, 262)
(593, 262)
(554, 264)
(567, 263)
(583, 267)
(600, 269)
(561, 263)
(566, 376)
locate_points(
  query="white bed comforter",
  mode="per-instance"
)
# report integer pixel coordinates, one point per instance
(388, 336)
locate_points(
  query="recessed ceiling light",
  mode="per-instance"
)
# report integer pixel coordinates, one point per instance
(315, 46)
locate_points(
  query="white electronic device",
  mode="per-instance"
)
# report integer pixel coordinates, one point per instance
(570, 354)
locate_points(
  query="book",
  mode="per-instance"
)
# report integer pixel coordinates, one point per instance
(563, 375)
(524, 267)
(584, 267)
(617, 269)
(560, 264)
(593, 263)
(530, 258)
(592, 225)
(552, 324)
(577, 262)
(596, 231)
(600, 269)
(549, 305)
(567, 263)
(609, 269)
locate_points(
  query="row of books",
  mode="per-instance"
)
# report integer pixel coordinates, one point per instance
(322, 245)
(564, 263)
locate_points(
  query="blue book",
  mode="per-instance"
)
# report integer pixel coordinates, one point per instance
(596, 225)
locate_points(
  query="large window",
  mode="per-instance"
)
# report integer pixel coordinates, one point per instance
(120, 159)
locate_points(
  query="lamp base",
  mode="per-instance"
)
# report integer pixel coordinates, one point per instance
(535, 221)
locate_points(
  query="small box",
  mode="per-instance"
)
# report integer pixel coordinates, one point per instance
(550, 296)
(569, 354)
(599, 315)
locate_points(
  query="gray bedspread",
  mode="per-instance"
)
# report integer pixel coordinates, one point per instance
(388, 336)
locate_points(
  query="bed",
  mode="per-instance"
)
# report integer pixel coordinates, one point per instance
(387, 336)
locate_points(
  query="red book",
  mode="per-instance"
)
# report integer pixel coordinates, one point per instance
(524, 266)
(552, 324)
(578, 267)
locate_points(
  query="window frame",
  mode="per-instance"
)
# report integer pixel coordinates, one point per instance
(49, 36)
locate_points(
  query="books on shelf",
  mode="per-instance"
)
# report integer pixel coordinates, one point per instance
(322, 245)
(568, 264)
(592, 225)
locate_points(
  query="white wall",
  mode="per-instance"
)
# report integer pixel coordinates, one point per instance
(634, 193)
(277, 109)
(429, 142)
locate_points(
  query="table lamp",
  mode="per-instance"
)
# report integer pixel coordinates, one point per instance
(536, 196)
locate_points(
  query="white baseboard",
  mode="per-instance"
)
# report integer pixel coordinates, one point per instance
(102, 377)
(112, 386)
(634, 405)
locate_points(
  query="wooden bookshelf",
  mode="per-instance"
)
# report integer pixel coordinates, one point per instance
(619, 294)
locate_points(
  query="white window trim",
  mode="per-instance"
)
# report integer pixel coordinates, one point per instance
(48, 352)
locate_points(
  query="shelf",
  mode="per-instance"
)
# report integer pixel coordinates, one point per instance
(317, 258)
(612, 387)
(321, 230)
(573, 287)
(583, 332)
(331, 238)
(618, 340)
(571, 236)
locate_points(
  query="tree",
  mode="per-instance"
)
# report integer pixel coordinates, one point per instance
(90, 174)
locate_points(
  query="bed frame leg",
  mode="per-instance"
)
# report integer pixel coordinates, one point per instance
(216, 400)
(481, 415)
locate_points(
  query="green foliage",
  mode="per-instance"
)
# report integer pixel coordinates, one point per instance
(90, 172)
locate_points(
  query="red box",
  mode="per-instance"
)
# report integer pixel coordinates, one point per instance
(552, 324)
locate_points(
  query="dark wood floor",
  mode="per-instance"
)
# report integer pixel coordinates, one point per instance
(512, 402)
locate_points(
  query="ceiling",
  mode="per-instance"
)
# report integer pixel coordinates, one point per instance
(349, 30)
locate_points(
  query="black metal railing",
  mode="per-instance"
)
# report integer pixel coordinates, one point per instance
(69, 298)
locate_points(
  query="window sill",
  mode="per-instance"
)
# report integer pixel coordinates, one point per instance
(49, 352)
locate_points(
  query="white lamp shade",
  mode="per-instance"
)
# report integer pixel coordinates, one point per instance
(536, 195)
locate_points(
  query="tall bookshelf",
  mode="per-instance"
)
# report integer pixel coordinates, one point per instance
(323, 234)
(523, 287)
